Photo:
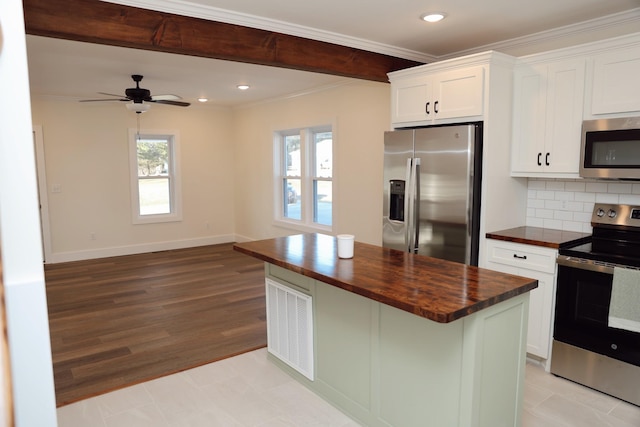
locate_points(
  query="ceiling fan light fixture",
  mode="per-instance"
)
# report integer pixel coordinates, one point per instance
(433, 16)
(138, 107)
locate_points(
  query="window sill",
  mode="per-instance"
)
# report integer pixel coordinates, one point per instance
(305, 228)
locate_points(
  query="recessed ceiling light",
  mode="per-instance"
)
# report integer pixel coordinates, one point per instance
(433, 16)
(243, 87)
(203, 99)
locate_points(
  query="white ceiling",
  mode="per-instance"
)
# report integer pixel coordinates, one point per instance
(80, 70)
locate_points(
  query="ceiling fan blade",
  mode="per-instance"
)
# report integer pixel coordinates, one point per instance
(110, 94)
(101, 100)
(176, 103)
(167, 97)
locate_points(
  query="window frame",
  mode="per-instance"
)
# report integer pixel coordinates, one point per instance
(307, 179)
(175, 196)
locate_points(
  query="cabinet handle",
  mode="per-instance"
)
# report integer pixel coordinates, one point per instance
(539, 155)
(426, 108)
(546, 159)
(519, 256)
(435, 107)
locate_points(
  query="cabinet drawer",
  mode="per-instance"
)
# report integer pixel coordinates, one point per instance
(522, 256)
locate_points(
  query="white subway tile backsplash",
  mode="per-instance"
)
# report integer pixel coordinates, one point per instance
(607, 198)
(545, 195)
(553, 204)
(585, 197)
(565, 195)
(568, 204)
(544, 213)
(555, 185)
(563, 215)
(596, 187)
(575, 186)
(536, 184)
(621, 188)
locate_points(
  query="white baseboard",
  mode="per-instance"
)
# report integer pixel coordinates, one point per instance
(58, 257)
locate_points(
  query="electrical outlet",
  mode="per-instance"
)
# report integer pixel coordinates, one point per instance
(92, 236)
(56, 188)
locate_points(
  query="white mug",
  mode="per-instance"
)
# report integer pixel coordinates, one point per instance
(345, 245)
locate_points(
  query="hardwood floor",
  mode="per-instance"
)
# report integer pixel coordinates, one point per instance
(119, 321)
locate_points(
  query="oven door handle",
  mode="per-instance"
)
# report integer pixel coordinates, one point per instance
(584, 264)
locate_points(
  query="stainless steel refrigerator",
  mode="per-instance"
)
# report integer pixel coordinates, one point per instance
(432, 180)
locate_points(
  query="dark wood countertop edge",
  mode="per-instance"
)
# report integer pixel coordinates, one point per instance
(417, 310)
(523, 241)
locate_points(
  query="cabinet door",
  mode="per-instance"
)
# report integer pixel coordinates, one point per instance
(409, 99)
(530, 98)
(459, 93)
(548, 102)
(539, 331)
(615, 82)
(565, 100)
(537, 263)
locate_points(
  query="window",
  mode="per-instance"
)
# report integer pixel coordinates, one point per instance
(154, 177)
(304, 177)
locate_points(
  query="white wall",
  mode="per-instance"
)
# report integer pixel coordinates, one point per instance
(361, 113)
(23, 276)
(87, 156)
(567, 205)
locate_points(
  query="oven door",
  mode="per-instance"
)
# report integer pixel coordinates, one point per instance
(582, 309)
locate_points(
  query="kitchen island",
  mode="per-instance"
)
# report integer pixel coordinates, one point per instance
(396, 339)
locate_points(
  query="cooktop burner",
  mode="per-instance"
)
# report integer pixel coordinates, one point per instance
(616, 236)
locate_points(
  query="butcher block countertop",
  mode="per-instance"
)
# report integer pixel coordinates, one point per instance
(438, 290)
(540, 237)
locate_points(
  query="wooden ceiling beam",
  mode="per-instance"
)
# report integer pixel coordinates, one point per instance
(100, 22)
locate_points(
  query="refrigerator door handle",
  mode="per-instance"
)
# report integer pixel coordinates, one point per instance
(407, 204)
(416, 206)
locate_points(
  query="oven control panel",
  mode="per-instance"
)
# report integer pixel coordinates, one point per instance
(611, 214)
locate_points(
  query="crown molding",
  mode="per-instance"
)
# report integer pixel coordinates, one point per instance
(531, 41)
(186, 8)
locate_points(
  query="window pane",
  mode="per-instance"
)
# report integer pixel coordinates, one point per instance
(153, 157)
(154, 196)
(323, 154)
(322, 202)
(292, 194)
(292, 155)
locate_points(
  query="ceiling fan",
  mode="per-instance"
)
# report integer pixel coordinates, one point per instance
(137, 97)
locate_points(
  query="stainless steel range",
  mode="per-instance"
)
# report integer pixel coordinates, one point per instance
(587, 347)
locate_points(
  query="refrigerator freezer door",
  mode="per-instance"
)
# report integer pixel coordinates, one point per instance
(445, 201)
(398, 151)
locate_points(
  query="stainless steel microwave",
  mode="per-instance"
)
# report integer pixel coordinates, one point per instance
(611, 148)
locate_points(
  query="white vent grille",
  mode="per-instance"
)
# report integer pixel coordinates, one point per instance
(290, 327)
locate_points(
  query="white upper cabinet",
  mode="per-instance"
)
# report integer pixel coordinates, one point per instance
(547, 122)
(431, 98)
(616, 83)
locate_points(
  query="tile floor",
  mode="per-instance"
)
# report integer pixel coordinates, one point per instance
(248, 390)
